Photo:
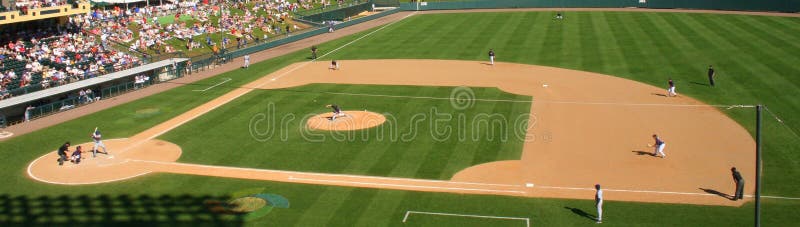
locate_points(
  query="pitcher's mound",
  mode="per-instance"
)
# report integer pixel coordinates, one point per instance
(351, 120)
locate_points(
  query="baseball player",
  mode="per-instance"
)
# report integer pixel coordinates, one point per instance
(98, 142)
(491, 56)
(659, 146)
(336, 111)
(598, 201)
(76, 155)
(334, 65)
(246, 61)
(671, 89)
(62, 153)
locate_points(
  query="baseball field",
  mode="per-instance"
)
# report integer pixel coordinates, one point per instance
(570, 103)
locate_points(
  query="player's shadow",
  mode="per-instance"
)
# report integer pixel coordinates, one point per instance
(698, 83)
(582, 213)
(643, 153)
(659, 94)
(715, 192)
(484, 63)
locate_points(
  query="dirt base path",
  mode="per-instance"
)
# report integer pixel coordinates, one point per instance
(596, 128)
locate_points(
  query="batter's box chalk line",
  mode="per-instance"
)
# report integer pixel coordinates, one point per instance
(410, 212)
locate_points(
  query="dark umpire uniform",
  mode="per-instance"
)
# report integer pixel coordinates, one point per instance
(62, 153)
(313, 52)
(737, 177)
(711, 75)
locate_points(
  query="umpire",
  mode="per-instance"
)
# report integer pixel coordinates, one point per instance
(62, 153)
(711, 75)
(737, 177)
(313, 52)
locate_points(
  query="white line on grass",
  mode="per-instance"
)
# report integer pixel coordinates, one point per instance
(408, 213)
(325, 174)
(225, 80)
(334, 50)
(659, 192)
(404, 185)
(542, 101)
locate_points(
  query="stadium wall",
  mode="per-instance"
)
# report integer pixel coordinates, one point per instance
(789, 6)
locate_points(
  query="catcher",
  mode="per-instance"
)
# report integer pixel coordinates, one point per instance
(337, 112)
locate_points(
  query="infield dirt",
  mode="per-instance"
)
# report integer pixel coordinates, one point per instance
(585, 128)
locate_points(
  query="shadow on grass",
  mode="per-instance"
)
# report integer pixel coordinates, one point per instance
(582, 213)
(715, 192)
(698, 83)
(118, 210)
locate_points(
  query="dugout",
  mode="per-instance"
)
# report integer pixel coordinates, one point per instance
(65, 97)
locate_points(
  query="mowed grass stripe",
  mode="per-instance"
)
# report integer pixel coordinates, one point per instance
(590, 43)
(752, 64)
(672, 46)
(355, 206)
(786, 25)
(572, 43)
(626, 42)
(784, 54)
(534, 40)
(608, 47)
(322, 211)
(717, 49)
(553, 46)
(385, 209)
(370, 159)
(520, 32)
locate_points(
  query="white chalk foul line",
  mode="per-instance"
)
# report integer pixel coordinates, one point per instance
(224, 80)
(332, 51)
(368, 34)
(408, 213)
(403, 185)
(324, 174)
(658, 192)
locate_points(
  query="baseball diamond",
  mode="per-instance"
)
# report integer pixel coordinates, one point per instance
(444, 114)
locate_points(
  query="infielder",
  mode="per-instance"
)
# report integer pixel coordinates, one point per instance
(659, 146)
(98, 142)
(671, 89)
(598, 201)
(491, 57)
(336, 111)
(246, 61)
(334, 65)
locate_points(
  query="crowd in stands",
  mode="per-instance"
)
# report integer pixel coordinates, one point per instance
(25, 5)
(55, 56)
(85, 46)
(116, 24)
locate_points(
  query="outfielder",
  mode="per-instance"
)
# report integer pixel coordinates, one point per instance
(98, 142)
(336, 111)
(491, 57)
(246, 61)
(659, 147)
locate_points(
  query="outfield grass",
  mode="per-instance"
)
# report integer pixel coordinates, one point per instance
(754, 55)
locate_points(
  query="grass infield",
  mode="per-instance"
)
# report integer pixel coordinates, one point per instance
(755, 57)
